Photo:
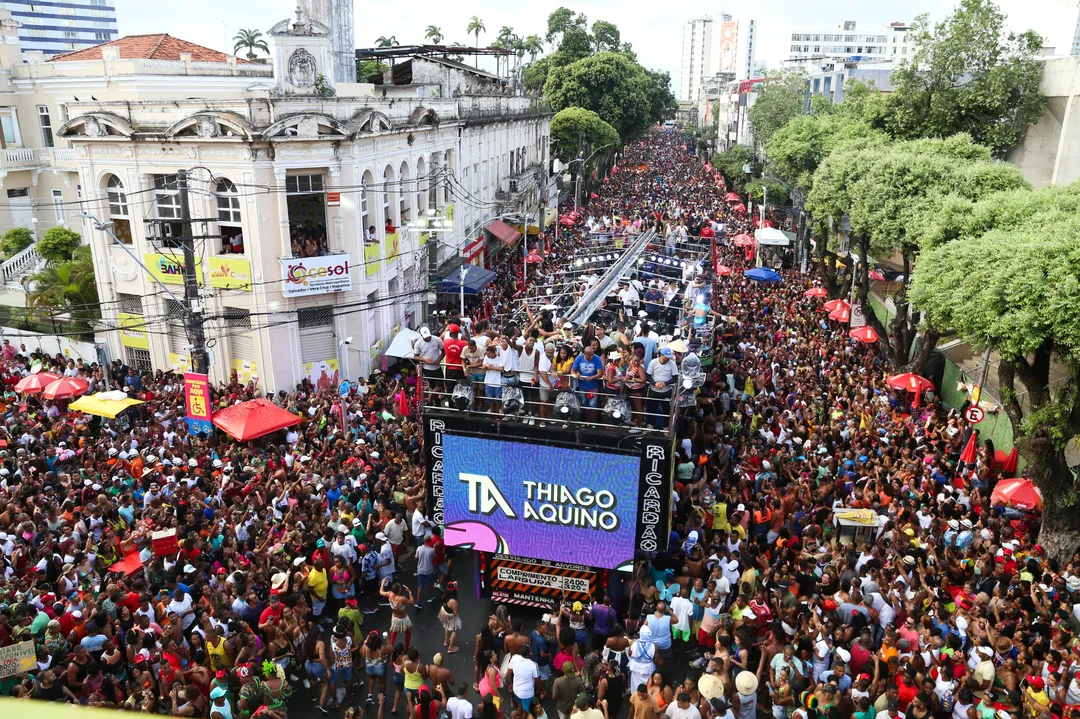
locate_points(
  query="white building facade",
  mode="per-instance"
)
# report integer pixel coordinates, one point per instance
(717, 46)
(313, 198)
(813, 47)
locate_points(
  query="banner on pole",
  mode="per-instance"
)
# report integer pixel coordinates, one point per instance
(197, 402)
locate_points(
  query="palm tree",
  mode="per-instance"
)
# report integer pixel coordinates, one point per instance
(384, 41)
(505, 33)
(66, 287)
(252, 40)
(534, 46)
(434, 33)
(475, 27)
(458, 57)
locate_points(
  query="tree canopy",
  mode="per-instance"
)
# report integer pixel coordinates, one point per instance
(573, 125)
(968, 75)
(797, 149)
(779, 100)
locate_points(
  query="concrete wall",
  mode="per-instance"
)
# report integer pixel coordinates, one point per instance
(1049, 152)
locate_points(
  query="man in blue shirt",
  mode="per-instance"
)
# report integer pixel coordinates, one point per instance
(541, 650)
(588, 369)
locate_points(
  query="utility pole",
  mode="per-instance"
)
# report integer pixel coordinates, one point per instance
(194, 318)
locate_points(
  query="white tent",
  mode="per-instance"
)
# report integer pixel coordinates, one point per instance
(402, 344)
(771, 236)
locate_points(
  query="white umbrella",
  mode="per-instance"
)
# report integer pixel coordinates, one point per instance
(402, 345)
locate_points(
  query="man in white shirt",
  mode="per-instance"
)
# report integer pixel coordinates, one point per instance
(182, 606)
(421, 527)
(492, 365)
(523, 676)
(460, 707)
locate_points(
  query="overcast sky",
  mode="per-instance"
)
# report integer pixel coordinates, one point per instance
(654, 28)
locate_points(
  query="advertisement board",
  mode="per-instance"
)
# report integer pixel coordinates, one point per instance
(132, 330)
(393, 246)
(230, 273)
(372, 258)
(323, 374)
(169, 269)
(246, 370)
(316, 275)
(727, 46)
(17, 658)
(540, 502)
(516, 580)
(197, 402)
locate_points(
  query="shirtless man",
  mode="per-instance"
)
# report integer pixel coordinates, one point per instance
(514, 641)
(441, 677)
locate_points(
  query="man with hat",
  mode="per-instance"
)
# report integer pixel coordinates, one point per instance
(565, 689)
(428, 350)
(663, 375)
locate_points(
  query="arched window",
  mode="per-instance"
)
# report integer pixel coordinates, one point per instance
(404, 214)
(228, 213)
(118, 209)
(421, 187)
(367, 225)
(448, 172)
(387, 189)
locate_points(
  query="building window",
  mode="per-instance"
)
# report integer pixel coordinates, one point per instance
(129, 304)
(365, 208)
(387, 190)
(138, 358)
(230, 226)
(404, 211)
(58, 205)
(46, 126)
(118, 209)
(306, 201)
(8, 127)
(237, 319)
(167, 207)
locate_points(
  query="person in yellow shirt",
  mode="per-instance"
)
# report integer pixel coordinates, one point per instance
(317, 585)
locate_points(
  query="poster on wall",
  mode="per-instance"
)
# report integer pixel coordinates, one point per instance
(727, 46)
(371, 258)
(393, 246)
(179, 362)
(197, 402)
(132, 330)
(169, 269)
(246, 370)
(316, 275)
(230, 273)
(323, 374)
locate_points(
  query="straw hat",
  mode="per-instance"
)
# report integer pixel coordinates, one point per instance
(711, 687)
(746, 683)
(678, 346)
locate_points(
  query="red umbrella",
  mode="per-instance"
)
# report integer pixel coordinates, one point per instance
(876, 276)
(566, 222)
(835, 304)
(594, 196)
(731, 197)
(816, 292)
(723, 270)
(65, 388)
(34, 383)
(743, 240)
(910, 382)
(533, 257)
(254, 418)
(1020, 493)
(841, 314)
(614, 169)
(865, 334)
(740, 208)
(768, 223)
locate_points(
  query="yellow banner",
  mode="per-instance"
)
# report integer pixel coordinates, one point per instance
(179, 362)
(371, 258)
(246, 370)
(230, 273)
(324, 375)
(448, 211)
(393, 246)
(423, 238)
(133, 330)
(169, 269)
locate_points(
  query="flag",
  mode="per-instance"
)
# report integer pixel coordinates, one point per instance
(970, 449)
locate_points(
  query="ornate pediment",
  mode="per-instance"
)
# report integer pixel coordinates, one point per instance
(369, 122)
(423, 117)
(96, 125)
(211, 126)
(307, 125)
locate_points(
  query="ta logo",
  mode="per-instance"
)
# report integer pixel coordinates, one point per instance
(484, 496)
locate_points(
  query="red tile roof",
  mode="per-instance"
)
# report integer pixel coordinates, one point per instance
(149, 47)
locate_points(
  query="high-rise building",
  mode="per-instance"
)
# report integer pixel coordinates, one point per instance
(1076, 37)
(814, 47)
(59, 27)
(712, 46)
(340, 20)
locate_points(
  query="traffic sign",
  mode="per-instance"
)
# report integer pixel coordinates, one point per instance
(974, 415)
(344, 388)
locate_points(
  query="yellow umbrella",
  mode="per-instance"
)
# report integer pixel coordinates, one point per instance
(100, 406)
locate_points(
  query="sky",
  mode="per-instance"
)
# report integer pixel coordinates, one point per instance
(654, 28)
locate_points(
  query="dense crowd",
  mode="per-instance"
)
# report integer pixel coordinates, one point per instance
(290, 549)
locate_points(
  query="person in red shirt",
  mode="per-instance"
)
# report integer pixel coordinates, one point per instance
(453, 346)
(272, 614)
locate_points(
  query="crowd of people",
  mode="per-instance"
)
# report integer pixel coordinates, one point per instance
(285, 574)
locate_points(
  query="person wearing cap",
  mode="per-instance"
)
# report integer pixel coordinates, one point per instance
(220, 708)
(454, 346)
(565, 690)
(429, 351)
(663, 375)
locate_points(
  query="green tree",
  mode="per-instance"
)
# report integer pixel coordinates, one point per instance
(252, 40)
(797, 149)
(662, 102)
(777, 193)
(779, 99)
(475, 27)
(576, 44)
(533, 46)
(15, 241)
(385, 41)
(968, 75)
(731, 162)
(606, 36)
(67, 287)
(1017, 291)
(574, 128)
(434, 33)
(535, 75)
(609, 84)
(562, 20)
(59, 244)
(628, 50)
(366, 68)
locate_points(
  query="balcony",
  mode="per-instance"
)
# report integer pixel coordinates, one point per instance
(37, 159)
(20, 158)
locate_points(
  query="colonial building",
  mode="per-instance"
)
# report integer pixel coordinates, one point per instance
(313, 197)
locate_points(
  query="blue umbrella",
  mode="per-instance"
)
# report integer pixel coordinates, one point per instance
(763, 274)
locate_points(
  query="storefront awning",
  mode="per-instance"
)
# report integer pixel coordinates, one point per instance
(474, 280)
(504, 232)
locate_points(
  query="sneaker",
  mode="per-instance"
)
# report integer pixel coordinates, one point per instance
(307, 684)
(323, 709)
(370, 610)
(430, 600)
(419, 608)
(532, 422)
